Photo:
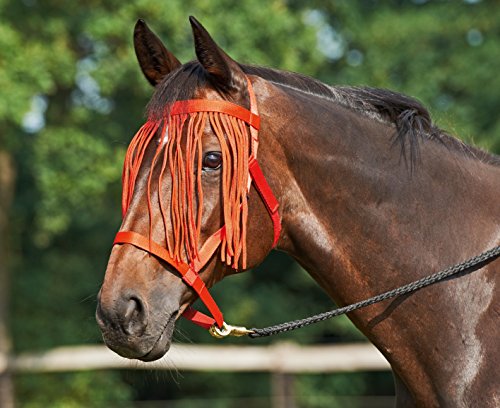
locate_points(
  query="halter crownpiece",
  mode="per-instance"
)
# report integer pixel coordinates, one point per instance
(179, 152)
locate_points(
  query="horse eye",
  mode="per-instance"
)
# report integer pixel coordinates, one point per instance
(212, 161)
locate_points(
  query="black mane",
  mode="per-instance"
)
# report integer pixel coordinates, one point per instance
(411, 119)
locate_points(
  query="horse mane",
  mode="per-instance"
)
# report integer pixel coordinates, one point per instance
(411, 119)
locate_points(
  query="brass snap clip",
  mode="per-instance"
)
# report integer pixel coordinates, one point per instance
(228, 330)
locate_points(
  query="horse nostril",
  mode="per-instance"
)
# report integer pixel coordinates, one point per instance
(133, 309)
(134, 317)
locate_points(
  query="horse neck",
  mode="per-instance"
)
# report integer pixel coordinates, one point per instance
(358, 219)
(352, 198)
(361, 223)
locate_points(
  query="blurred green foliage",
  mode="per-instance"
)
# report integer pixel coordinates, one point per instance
(73, 95)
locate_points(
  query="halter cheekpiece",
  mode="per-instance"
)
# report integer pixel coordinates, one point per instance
(179, 152)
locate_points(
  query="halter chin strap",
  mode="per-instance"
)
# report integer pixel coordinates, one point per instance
(190, 272)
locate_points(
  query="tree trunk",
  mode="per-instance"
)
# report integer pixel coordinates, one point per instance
(7, 177)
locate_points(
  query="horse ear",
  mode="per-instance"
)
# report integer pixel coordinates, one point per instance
(154, 59)
(225, 73)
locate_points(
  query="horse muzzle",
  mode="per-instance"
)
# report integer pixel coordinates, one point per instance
(129, 329)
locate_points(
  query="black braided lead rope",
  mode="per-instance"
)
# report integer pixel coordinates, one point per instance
(481, 259)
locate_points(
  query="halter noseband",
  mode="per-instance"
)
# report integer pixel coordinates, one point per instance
(190, 271)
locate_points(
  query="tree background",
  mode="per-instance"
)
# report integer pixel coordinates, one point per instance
(72, 96)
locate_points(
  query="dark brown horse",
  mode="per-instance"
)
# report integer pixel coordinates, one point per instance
(372, 196)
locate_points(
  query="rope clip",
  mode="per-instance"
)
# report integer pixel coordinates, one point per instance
(227, 330)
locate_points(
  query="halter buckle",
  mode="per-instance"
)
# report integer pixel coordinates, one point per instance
(227, 330)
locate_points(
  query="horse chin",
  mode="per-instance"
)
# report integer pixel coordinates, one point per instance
(163, 342)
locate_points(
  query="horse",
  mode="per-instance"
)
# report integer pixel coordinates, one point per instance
(357, 184)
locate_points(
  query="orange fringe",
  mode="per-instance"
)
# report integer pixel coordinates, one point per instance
(182, 155)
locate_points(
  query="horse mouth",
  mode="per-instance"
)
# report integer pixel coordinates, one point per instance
(162, 344)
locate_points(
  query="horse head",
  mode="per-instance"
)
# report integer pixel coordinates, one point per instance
(187, 191)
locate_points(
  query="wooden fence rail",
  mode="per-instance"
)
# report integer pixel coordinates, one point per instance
(278, 358)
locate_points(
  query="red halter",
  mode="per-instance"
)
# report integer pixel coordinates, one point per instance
(189, 272)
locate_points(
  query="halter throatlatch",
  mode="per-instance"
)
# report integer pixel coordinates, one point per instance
(178, 135)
